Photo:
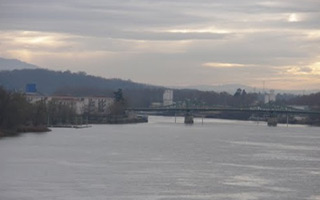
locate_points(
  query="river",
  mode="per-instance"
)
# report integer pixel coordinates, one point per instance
(163, 160)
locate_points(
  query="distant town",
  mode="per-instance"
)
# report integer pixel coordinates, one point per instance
(45, 98)
(94, 109)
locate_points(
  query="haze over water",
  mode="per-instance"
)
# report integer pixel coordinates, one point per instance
(162, 160)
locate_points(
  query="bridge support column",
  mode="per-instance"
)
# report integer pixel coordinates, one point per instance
(188, 118)
(272, 121)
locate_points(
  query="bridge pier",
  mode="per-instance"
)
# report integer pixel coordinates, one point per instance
(188, 118)
(272, 121)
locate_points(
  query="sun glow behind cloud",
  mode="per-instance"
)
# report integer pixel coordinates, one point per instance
(199, 30)
(25, 44)
(293, 17)
(223, 65)
(35, 39)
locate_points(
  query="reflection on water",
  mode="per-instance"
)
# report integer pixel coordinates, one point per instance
(160, 160)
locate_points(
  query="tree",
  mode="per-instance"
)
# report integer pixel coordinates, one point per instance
(39, 113)
(118, 96)
(14, 110)
(238, 92)
(119, 105)
(59, 113)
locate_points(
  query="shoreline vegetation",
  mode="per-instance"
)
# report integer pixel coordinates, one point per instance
(23, 129)
(18, 116)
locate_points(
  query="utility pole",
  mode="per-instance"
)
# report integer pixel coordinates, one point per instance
(175, 117)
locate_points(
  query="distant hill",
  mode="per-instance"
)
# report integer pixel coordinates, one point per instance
(137, 94)
(231, 89)
(11, 64)
(49, 82)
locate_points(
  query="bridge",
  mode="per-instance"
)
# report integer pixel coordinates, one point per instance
(270, 111)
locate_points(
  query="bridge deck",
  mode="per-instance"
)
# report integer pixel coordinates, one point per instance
(251, 110)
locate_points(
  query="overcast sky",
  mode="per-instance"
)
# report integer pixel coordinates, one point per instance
(170, 42)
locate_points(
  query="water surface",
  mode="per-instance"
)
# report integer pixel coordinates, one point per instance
(162, 160)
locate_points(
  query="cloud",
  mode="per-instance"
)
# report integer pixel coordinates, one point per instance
(312, 69)
(223, 65)
(293, 18)
(152, 41)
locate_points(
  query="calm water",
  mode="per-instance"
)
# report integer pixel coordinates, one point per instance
(162, 160)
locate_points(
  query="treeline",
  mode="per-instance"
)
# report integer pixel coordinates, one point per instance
(211, 98)
(17, 115)
(310, 100)
(313, 101)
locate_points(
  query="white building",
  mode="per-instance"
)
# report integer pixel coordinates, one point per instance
(97, 104)
(93, 105)
(168, 98)
(76, 103)
(34, 97)
(270, 97)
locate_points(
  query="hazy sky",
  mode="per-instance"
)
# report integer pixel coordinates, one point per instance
(170, 42)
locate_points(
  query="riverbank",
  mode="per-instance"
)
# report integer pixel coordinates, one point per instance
(127, 120)
(118, 119)
(23, 129)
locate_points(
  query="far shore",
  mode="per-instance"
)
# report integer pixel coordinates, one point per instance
(23, 129)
